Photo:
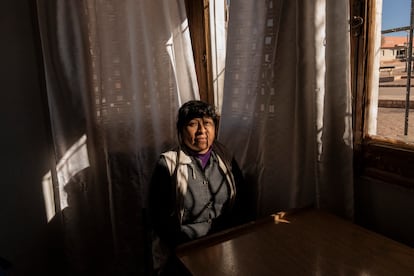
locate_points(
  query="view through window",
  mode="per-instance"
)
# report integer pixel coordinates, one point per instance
(395, 116)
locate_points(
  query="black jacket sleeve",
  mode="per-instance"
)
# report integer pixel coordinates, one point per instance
(162, 207)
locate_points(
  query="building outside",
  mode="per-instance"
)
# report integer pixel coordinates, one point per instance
(393, 48)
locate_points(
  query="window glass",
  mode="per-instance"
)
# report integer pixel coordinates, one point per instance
(395, 116)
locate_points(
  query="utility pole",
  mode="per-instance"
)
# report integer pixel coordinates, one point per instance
(410, 58)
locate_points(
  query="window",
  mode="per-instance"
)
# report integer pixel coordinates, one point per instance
(381, 68)
(208, 28)
(390, 94)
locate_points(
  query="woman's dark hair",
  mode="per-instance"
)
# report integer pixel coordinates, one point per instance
(195, 109)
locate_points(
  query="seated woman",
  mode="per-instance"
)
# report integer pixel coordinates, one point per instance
(197, 188)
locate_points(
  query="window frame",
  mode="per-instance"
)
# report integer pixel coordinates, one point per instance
(198, 22)
(381, 158)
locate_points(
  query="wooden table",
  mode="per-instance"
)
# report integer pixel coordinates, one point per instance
(313, 243)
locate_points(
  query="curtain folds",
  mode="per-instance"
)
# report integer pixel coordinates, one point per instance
(286, 107)
(116, 74)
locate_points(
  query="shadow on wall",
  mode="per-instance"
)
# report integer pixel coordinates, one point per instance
(385, 208)
(86, 239)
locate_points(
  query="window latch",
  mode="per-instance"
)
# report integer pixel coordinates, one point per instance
(356, 23)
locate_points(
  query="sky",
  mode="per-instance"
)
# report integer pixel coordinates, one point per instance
(395, 13)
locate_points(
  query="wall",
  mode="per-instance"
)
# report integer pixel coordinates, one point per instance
(388, 55)
(386, 208)
(384, 189)
(25, 235)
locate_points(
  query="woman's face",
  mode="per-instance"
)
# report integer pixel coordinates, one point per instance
(199, 134)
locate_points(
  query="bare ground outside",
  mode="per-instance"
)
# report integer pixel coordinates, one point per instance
(393, 92)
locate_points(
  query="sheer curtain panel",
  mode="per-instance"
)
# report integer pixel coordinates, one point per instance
(116, 73)
(287, 102)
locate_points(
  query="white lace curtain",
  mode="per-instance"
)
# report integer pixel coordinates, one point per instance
(116, 73)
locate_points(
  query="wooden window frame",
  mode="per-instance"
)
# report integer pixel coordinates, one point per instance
(198, 22)
(383, 159)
